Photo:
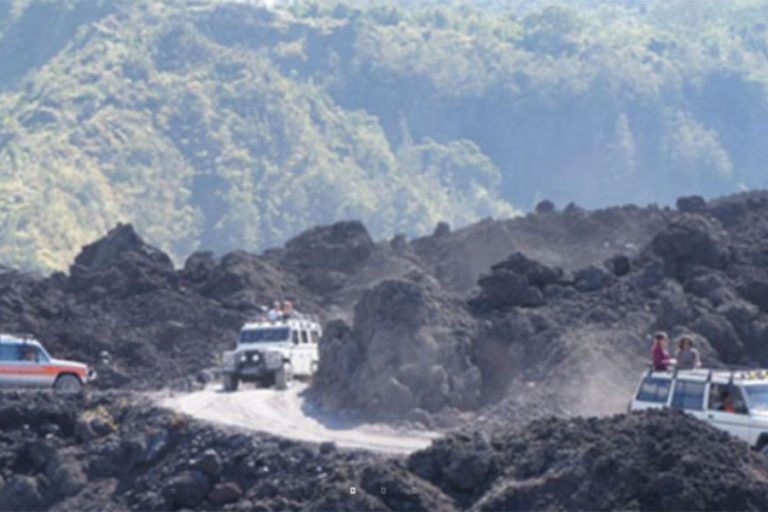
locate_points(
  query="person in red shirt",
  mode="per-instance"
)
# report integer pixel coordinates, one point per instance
(659, 352)
(728, 405)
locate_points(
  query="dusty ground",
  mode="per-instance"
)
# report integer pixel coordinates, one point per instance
(287, 414)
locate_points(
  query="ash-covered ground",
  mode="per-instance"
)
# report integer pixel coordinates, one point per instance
(541, 319)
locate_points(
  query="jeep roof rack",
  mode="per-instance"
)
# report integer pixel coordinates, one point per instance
(296, 315)
(731, 372)
(23, 337)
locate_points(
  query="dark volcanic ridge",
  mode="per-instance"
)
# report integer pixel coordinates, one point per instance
(114, 451)
(487, 318)
(163, 325)
(484, 327)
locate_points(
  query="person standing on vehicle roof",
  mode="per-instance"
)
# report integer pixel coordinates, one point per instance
(687, 356)
(287, 310)
(659, 352)
(276, 313)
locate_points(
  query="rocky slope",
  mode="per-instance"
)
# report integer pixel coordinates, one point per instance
(164, 325)
(117, 452)
(571, 341)
(409, 336)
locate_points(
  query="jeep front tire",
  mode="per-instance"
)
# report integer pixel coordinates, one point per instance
(68, 384)
(231, 382)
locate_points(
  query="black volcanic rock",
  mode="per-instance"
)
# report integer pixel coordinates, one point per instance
(151, 460)
(413, 349)
(407, 349)
(643, 461)
(158, 325)
(159, 460)
(342, 247)
(324, 258)
(691, 204)
(427, 333)
(689, 241)
(516, 281)
(121, 240)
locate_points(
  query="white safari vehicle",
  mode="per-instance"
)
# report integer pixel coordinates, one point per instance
(733, 400)
(273, 352)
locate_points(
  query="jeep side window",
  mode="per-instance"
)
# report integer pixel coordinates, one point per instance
(41, 357)
(654, 390)
(725, 398)
(688, 395)
(9, 353)
(304, 337)
(30, 354)
(295, 337)
(315, 337)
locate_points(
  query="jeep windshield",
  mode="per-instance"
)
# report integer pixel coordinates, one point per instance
(758, 397)
(265, 335)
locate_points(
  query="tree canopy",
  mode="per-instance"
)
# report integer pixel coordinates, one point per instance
(220, 125)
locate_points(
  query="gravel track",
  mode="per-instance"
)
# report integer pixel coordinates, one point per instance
(287, 414)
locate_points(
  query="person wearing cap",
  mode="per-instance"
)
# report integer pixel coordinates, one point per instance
(687, 356)
(660, 354)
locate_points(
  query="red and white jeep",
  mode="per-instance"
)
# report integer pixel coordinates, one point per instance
(25, 363)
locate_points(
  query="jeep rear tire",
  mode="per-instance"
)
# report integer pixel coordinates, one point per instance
(230, 382)
(283, 376)
(68, 384)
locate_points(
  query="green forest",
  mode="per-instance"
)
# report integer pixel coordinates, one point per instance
(214, 125)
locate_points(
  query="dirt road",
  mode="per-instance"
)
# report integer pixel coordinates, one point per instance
(287, 414)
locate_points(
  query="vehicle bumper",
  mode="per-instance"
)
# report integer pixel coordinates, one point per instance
(253, 371)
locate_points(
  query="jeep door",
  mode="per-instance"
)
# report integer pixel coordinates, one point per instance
(9, 362)
(305, 352)
(314, 340)
(688, 395)
(727, 410)
(297, 353)
(25, 366)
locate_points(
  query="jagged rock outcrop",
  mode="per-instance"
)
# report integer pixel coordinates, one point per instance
(324, 257)
(516, 281)
(690, 241)
(406, 350)
(159, 325)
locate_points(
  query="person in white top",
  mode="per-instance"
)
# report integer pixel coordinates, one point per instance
(276, 313)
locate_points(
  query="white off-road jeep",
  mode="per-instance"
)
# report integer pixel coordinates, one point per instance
(733, 400)
(273, 352)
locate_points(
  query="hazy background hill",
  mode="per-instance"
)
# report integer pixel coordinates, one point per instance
(217, 125)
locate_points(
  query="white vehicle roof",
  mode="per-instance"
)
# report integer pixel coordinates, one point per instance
(296, 321)
(736, 376)
(19, 339)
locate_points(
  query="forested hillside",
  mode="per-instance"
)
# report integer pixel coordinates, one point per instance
(217, 125)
